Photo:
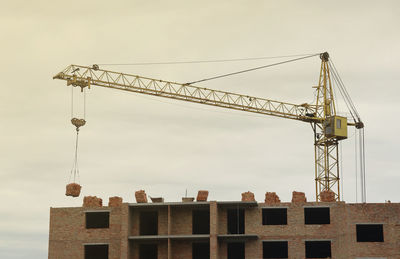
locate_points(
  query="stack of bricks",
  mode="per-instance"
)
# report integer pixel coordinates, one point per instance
(202, 195)
(327, 196)
(298, 197)
(141, 196)
(92, 201)
(248, 196)
(115, 201)
(272, 198)
(73, 189)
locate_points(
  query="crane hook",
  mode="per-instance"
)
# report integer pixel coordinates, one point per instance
(78, 123)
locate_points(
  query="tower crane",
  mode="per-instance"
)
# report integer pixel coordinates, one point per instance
(328, 127)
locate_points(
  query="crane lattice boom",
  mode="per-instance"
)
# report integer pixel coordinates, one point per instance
(84, 76)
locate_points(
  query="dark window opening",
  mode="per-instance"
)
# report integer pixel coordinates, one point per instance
(97, 219)
(236, 250)
(148, 251)
(275, 249)
(316, 216)
(201, 250)
(96, 251)
(148, 223)
(369, 233)
(201, 222)
(318, 249)
(274, 216)
(235, 221)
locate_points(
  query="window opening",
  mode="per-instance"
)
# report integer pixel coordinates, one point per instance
(275, 249)
(148, 223)
(369, 232)
(97, 219)
(148, 251)
(316, 216)
(201, 250)
(274, 216)
(235, 221)
(201, 221)
(318, 249)
(96, 251)
(236, 250)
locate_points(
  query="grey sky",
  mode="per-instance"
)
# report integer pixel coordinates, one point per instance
(136, 142)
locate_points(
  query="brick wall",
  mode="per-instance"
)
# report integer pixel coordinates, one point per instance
(68, 233)
(181, 220)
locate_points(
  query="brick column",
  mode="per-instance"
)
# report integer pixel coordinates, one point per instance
(124, 230)
(213, 230)
(169, 232)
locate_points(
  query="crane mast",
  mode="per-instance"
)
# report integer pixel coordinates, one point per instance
(328, 128)
(325, 141)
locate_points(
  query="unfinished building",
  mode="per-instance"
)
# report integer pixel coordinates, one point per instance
(204, 229)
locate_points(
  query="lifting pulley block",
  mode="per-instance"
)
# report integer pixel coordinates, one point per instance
(78, 123)
(82, 83)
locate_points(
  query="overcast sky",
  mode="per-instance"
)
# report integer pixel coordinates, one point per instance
(165, 147)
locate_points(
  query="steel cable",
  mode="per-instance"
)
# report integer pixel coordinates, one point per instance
(199, 61)
(251, 69)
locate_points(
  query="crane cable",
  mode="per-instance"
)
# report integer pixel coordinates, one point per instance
(77, 123)
(199, 61)
(345, 94)
(360, 146)
(250, 69)
(75, 168)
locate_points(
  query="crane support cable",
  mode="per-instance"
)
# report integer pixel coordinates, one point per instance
(199, 61)
(362, 166)
(252, 69)
(344, 92)
(360, 146)
(335, 78)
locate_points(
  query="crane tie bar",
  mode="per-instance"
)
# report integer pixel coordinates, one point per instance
(251, 69)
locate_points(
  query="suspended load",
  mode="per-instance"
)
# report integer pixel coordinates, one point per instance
(73, 189)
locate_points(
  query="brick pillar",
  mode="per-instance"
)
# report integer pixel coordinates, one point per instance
(169, 232)
(213, 230)
(124, 231)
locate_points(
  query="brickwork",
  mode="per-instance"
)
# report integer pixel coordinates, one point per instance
(327, 196)
(202, 196)
(163, 250)
(68, 233)
(298, 197)
(248, 196)
(141, 196)
(163, 221)
(92, 201)
(115, 201)
(213, 230)
(271, 198)
(73, 190)
(222, 223)
(181, 221)
(181, 249)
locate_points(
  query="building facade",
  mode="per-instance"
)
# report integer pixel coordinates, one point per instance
(225, 230)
